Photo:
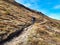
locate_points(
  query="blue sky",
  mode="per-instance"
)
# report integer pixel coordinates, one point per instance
(50, 8)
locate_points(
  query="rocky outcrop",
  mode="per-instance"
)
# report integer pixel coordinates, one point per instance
(20, 25)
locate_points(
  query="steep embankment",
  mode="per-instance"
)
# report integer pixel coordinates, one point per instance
(22, 26)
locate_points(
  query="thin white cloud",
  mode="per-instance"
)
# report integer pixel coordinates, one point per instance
(57, 7)
(27, 4)
(54, 16)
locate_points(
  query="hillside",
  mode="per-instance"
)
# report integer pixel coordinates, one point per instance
(20, 25)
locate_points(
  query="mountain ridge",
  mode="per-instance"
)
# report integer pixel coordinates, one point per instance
(35, 11)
